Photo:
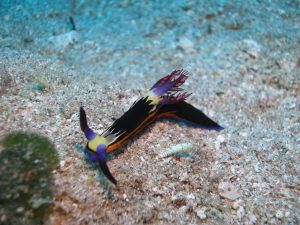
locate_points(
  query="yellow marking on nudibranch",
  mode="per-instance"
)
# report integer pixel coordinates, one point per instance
(153, 97)
(95, 142)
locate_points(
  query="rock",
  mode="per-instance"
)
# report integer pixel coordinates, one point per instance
(228, 190)
(27, 162)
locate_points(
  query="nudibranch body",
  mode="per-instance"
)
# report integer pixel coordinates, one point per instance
(165, 99)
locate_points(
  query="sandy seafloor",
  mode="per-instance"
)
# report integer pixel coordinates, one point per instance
(244, 65)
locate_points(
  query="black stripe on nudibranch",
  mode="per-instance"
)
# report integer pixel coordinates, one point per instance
(131, 119)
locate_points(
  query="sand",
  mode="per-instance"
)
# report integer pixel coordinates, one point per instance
(244, 65)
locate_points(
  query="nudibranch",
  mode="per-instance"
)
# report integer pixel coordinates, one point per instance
(164, 99)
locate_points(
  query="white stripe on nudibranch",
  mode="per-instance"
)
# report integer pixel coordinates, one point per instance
(179, 148)
(111, 138)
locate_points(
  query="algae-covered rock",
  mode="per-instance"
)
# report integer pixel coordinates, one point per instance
(26, 164)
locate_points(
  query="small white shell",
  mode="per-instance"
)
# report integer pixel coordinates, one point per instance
(183, 147)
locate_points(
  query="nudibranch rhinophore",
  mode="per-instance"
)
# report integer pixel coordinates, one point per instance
(165, 99)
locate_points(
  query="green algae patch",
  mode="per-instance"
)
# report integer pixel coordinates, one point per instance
(39, 87)
(26, 164)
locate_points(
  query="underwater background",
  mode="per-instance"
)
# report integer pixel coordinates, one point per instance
(243, 58)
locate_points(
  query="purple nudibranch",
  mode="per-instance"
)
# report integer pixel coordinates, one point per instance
(164, 99)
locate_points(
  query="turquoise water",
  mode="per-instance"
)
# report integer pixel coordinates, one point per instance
(139, 36)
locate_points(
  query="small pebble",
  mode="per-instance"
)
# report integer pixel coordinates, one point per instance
(240, 212)
(237, 204)
(183, 209)
(3, 218)
(20, 209)
(232, 169)
(62, 41)
(201, 213)
(252, 218)
(287, 214)
(228, 190)
(279, 214)
(243, 134)
(190, 197)
(257, 168)
(251, 47)
(74, 117)
(186, 44)
(220, 139)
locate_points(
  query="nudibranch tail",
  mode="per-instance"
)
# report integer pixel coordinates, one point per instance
(168, 88)
(102, 155)
(89, 134)
(107, 173)
(188, 113)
